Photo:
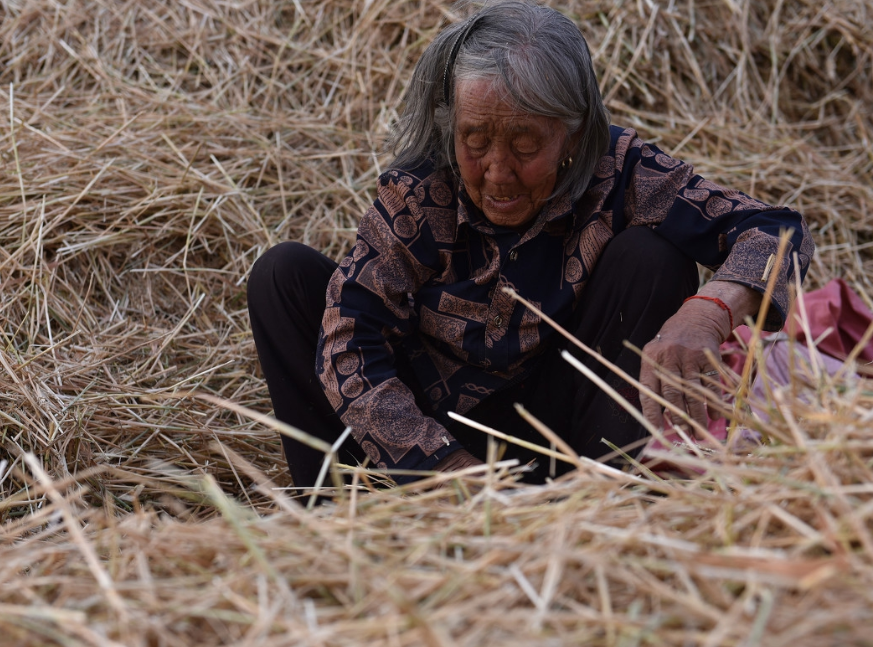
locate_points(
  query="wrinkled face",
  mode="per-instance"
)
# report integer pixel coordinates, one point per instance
(508, 159)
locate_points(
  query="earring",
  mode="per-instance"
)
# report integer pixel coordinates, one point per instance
(567, 163)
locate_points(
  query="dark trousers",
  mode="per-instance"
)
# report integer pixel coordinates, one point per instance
(638, 283)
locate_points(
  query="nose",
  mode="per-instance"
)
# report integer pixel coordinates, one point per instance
(498, 165)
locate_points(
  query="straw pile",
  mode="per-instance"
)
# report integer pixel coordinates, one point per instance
(151, 151)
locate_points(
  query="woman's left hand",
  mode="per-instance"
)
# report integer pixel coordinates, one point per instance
(680, 349)
(686, 346)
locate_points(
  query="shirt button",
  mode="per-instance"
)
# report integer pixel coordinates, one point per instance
(498, 320)
(513, 255)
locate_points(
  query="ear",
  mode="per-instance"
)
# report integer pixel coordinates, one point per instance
(571, 144)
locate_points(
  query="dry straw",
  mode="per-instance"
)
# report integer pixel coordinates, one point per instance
(149, 152)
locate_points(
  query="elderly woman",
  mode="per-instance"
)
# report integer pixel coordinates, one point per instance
(508, 174)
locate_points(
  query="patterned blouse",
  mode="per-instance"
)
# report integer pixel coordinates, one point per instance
(426, 273)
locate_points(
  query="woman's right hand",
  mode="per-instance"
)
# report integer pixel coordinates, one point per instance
(457, 460)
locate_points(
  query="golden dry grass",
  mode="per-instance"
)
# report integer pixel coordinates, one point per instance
(151, 151)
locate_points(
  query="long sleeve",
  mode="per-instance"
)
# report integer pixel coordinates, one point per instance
(720, 228)
(368, 311)
(425, 276)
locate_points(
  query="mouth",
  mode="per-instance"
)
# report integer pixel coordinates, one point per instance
(503, 202)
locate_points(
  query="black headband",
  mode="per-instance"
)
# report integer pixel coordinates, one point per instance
(453, 54)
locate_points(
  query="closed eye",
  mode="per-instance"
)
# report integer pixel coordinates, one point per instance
(477, 141)
(526, 145)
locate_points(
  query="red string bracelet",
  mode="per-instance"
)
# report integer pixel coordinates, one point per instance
(721, 304)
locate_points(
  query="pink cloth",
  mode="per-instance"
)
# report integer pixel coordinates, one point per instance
(835, 307)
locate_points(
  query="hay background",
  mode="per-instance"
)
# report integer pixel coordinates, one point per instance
(151, 151)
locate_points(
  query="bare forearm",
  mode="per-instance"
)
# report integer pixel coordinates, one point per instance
(743, 302)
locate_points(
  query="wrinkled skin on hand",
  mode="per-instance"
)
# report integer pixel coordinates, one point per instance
(457, 460)
(681, 350)
(681, 347)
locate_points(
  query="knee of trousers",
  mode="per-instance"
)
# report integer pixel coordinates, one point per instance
(282, 267)
(645, 258)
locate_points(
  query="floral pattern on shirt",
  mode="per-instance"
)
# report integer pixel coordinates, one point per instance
(426, 274)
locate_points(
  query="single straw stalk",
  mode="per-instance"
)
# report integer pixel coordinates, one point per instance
(754, 343)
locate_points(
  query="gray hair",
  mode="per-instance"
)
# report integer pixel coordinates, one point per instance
(542, 61)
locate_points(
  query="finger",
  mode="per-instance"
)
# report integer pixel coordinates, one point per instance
(653, 411)
(697, 409)
(715, 393)
(709, 377)
(693, 399)
(675, 397)
(651, 408)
